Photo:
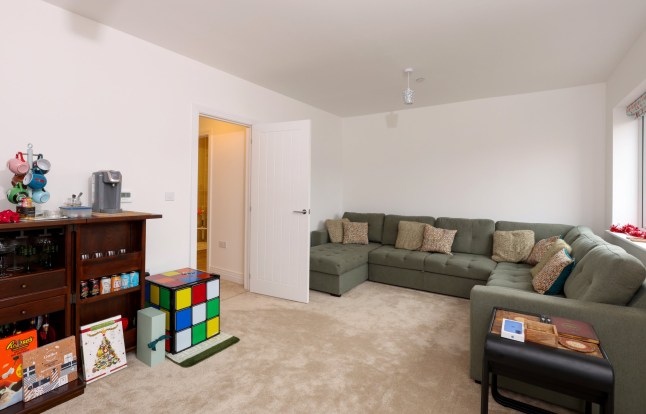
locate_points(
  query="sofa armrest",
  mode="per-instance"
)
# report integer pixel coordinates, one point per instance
(318, 237)
(620, 329)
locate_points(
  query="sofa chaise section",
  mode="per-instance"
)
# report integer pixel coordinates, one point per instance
(336, 268)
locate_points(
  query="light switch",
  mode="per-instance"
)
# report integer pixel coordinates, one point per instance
(169, 196)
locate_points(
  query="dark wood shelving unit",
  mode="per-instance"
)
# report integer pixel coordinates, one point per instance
(53, 287)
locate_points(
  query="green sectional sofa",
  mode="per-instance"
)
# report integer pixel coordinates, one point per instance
(607, 287)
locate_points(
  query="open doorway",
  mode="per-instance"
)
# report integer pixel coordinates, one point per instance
(221, 198)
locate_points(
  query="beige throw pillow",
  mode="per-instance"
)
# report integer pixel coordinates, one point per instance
(437, 240)
(355, 233)
(512, 246)
(553, 270)
(557, 246)
(540, 248)
(335, 229)
(409, 235)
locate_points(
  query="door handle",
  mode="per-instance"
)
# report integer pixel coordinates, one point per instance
(303, 211)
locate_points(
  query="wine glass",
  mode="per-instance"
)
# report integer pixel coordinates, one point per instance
(5, 250)
(25, 249)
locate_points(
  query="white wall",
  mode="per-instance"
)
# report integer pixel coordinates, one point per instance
(90, 98)
(535, 157)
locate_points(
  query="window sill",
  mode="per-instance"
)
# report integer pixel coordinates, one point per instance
(621, 239)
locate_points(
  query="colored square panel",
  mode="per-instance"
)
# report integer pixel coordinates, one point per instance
(154, 294)
(212, 289)
(164, 298)
(199, 313)
(171, 273)
(213, 308)
(174, 283)
(183, 298)
(212, 327)
(204, 276)
(187, 279)
(147, 292)
(183, 319)
(167, 342)
(199, 293)
(199, 333)
(182, 340)
(184, 270)
(167, 318)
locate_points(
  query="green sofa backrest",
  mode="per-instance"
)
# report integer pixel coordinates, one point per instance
(391, 226)
(474, 236)
(541, 230)
(606, 274)
(375, 223)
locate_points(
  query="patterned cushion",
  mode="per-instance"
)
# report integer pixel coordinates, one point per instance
(552, 277)
(409, 235)
(437, 240)
(355, 233)
(558, 245)
(512, 246)
(540, 248)
(335, 229)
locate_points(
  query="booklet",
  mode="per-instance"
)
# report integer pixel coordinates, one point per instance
(574, 329)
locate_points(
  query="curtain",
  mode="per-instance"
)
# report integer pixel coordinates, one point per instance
(637, 108)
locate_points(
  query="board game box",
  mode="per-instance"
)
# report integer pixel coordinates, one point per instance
(48, 367)
(11, 349)
(104, 351)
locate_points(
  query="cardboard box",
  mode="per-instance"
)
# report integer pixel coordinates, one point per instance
(11, 365)
(151, 325)
(49, 367)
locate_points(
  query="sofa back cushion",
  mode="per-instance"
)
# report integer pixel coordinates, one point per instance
(584, 243)
(606, 274)
(541, 230)
(639, 299)
(474, 236)
(375, 223)
(391, 226)
(574, 234)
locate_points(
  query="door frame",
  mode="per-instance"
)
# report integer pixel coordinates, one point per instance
(196, 112)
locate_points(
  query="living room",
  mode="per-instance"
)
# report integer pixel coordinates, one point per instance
(93, 97)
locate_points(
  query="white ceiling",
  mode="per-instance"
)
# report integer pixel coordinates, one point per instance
(347, 56)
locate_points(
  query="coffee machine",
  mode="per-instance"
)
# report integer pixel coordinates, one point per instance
(106, 191)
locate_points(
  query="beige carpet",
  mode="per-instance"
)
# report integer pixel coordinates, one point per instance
(377, 349)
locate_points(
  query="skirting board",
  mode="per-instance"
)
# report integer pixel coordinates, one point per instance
(228, 275)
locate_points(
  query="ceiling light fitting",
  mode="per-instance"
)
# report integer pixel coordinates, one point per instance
(408, 94)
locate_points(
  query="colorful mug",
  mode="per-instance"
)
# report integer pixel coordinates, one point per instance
(36, 180)
(17, 193)
(40, 196)
(18, 165)
(41, 165)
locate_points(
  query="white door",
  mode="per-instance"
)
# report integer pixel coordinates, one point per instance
(280, 206)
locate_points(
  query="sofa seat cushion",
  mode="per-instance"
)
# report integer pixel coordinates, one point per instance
(467, 265)
(404, 259)
(512, 275)
(336, 259)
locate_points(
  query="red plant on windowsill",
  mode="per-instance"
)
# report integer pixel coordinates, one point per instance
(629, 229)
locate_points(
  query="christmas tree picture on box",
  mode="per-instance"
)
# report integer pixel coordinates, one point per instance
(104, 351)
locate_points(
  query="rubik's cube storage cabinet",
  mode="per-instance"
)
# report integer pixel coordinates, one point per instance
(191, 301)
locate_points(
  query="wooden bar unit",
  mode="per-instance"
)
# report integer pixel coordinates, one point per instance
(49, 283)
